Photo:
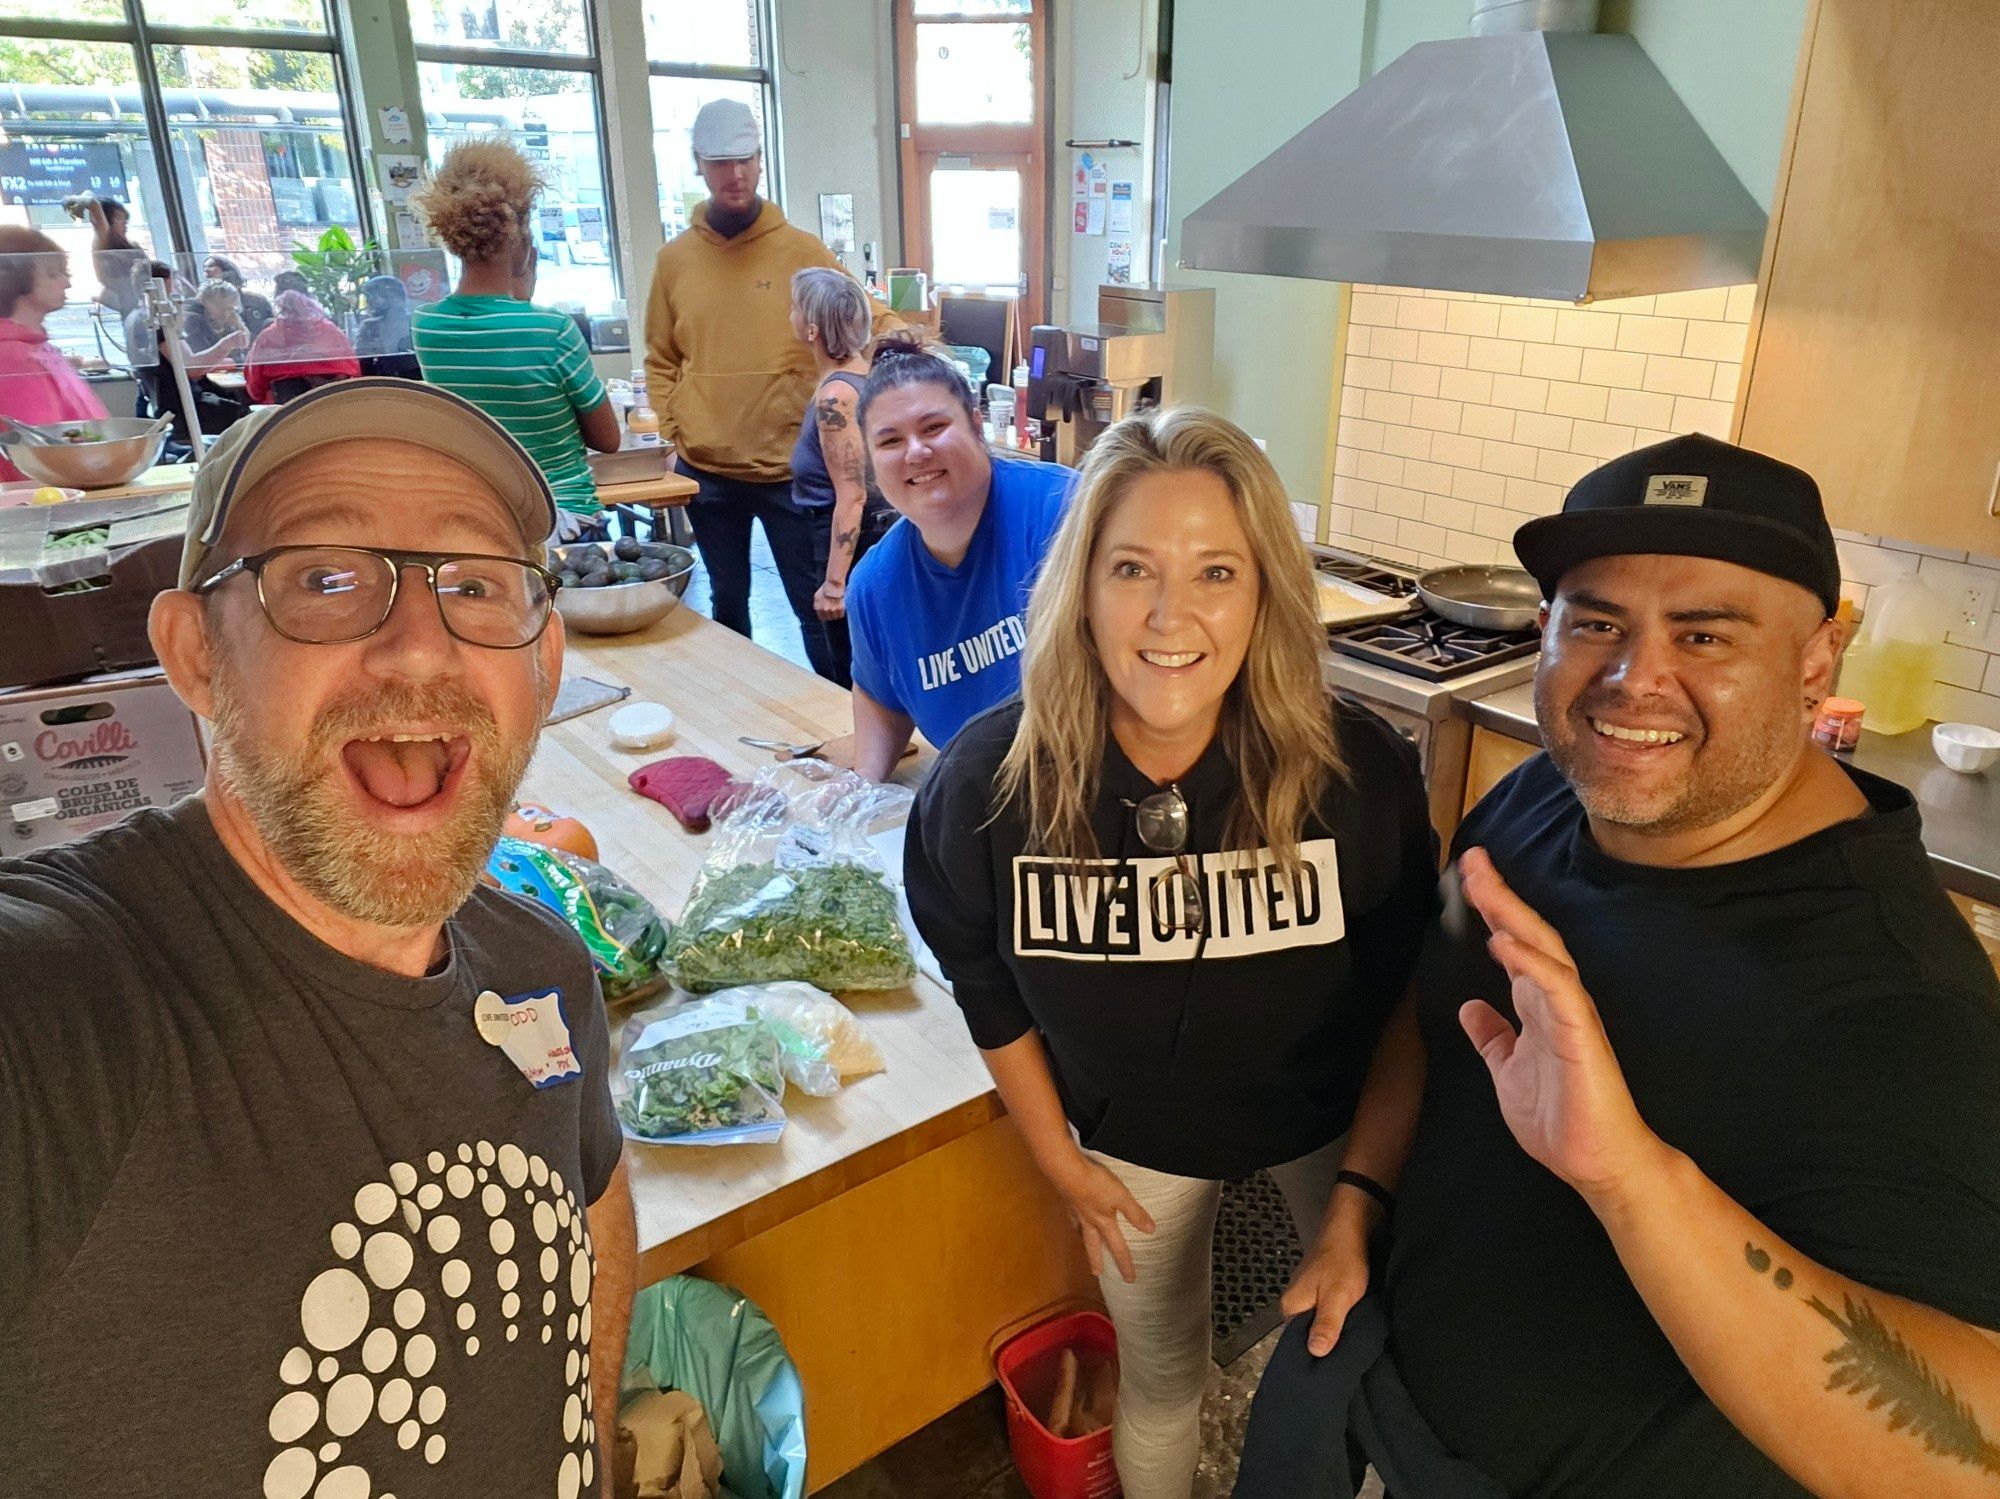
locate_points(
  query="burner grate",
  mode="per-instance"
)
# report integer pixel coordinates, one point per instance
(1428, 646)
(1366, 573)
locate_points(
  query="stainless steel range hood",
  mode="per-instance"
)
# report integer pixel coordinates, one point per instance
(1534, 158)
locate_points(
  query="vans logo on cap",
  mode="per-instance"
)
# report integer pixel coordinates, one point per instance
(1676, 489)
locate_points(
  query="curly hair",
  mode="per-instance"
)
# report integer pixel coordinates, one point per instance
(479, 199)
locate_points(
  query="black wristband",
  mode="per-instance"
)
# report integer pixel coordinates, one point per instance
(1369, 1185)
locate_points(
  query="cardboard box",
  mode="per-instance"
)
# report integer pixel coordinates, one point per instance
(75, 590)
(80, 756)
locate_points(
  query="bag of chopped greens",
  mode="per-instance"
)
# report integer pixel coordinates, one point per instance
(820, 1042)
(624, 933)
(791, 888)
(700, 1072)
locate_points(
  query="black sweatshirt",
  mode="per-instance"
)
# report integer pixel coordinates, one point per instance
(1252, 1056)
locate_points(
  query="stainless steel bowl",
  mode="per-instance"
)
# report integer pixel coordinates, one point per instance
(622, 608)
(128, 448)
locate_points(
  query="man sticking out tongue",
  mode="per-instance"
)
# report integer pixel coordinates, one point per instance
(261, 1153)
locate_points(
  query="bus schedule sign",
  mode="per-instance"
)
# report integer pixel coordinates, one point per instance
(41, 174)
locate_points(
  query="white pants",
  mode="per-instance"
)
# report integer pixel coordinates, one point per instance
(1163, 1316)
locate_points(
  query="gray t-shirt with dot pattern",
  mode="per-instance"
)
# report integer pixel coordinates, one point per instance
(272, 1222)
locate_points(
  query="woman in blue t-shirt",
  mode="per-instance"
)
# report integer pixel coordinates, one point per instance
(936, 610)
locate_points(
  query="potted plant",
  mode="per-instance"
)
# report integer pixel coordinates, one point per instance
(334, 270)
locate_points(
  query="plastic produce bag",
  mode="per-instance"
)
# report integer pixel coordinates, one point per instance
(693, 1335)
(792, 888)
(820, 1043)
(624, 933)
(700, 1072)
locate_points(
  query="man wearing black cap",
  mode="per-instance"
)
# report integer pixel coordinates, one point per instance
(1710, 1203)
(289, 1204)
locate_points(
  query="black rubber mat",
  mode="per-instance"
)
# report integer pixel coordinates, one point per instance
(1256, 1250)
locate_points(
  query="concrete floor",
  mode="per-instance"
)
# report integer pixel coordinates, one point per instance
(772, 623)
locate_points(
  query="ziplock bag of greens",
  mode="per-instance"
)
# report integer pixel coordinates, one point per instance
(820, 1042)
(624, 933)
(701, 1072)
(791, 888)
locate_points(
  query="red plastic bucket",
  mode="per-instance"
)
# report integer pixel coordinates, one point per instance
(1056, 1467)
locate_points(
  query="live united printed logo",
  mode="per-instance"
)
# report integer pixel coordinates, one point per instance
(971, 656)
(1133, 910)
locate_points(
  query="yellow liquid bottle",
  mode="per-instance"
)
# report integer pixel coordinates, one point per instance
(1892, 667)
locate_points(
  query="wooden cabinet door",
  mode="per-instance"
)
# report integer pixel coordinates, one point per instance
(1875, 362)
(1493, 755)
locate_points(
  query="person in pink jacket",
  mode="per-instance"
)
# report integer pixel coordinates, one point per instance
(36, 383)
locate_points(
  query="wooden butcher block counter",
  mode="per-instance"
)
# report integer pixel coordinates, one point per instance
(893, 1228)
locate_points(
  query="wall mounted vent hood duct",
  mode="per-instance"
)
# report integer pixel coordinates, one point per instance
(1532, 163)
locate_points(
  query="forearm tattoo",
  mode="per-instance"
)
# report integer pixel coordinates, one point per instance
(1874, 1363)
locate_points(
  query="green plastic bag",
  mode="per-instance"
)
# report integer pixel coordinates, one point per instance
(696, 1336)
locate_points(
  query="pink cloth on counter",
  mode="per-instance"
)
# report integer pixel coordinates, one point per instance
(38, 385)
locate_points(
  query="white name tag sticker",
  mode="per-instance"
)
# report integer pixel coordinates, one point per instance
(531, 1030)
(1677, 489)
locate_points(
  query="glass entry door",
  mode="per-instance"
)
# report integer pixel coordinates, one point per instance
(975, 181)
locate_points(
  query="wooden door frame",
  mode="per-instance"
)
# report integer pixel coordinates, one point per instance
(1027, 142)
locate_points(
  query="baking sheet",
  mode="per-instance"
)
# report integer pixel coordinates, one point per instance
(1345, 603)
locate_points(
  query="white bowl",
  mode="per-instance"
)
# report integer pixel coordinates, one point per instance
(1966, 747)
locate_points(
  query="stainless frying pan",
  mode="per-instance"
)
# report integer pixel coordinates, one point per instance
(1489, 598)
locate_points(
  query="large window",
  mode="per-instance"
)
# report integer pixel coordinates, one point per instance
(698, 50)
(221, 123)
(527, 70)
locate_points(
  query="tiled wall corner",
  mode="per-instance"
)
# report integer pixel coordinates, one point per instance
(1463, 416)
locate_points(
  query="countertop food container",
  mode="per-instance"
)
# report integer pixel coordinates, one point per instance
(620, 608)
(129, 447)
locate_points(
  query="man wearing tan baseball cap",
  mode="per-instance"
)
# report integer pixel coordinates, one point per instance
(275, 1151)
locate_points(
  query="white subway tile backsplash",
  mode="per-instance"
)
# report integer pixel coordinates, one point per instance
(1528, 323)
(1709, 302)
(1306, 518)
(1652, 335)
(1678, 377)
(1606, 367)
(1474, 413)
(1454, 447)
(1539, 431)
(1692, 414)
(1423, 313)
(1444, 348)
(1501, 355)
(1407, 442)
(1587, 328)
(1415, 379)
(1551, 361)
(1437, 416)
(1639, 408)
(1495, 423)
(1393, 343)
(1477, 319)
(1586, 401)
(1713, 341)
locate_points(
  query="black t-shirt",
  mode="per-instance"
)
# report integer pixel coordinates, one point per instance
(1816, 1028)
(267, 1213)
(1251, 1056)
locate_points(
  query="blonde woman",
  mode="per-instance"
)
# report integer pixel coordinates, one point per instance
(1178, 890)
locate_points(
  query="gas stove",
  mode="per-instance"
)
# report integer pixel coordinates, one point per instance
(1416, 642)
(1428, 646)
(1386, 578)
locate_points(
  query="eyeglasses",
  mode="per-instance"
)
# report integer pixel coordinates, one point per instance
(333, 595)
(1162, 821)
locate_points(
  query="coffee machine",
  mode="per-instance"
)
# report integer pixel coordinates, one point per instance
(1149, 347)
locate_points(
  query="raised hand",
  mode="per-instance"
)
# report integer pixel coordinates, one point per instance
(1560, 1088)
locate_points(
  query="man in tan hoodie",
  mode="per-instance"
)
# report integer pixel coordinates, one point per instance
(728, 376)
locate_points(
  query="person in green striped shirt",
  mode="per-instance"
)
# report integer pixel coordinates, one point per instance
(526, 366)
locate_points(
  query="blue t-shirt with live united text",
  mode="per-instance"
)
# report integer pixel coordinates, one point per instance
(942, 644)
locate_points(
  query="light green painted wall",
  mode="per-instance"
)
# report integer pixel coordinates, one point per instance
(1732, 64)
(1248, 75)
